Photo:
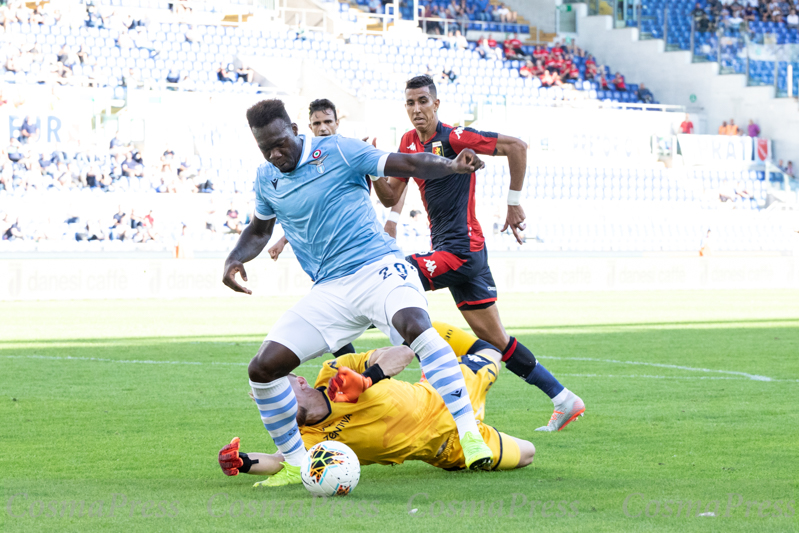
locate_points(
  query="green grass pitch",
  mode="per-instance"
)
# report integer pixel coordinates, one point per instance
(123, 405)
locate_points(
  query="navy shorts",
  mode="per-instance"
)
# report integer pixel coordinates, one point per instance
(465, 274)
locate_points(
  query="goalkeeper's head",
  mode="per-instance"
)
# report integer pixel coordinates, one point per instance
(305, 394)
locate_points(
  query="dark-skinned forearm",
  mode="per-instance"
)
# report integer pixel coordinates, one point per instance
(250, 244)
(430, 167)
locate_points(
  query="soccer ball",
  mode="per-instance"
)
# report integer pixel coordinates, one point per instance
(330, 469)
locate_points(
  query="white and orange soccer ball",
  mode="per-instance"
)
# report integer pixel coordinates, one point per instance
(330, 469)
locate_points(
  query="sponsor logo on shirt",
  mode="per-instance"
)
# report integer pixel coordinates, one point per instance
(458, 132)
(333, 435)
(438, 148)
(412, 147)
(431, 266)
(274, 183)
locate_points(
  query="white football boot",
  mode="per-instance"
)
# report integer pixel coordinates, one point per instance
(566, 410)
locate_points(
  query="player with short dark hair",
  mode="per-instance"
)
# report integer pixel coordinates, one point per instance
(388, 421)
(315, 187)
(459, 260)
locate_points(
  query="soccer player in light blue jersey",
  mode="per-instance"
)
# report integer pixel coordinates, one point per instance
(315, 187)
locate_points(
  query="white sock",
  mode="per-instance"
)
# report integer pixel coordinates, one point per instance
(443, 372)
(561, 396)
(278, 407)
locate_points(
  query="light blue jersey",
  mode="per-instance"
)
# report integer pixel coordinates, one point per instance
(324, 206)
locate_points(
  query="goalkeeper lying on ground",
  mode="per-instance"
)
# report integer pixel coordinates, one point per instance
(389, 421)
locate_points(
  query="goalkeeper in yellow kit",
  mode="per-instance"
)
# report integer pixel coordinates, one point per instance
(388, 421)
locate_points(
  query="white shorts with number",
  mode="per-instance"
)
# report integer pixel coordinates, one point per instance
(339, 311)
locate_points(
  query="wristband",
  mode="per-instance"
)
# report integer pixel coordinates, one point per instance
(375, 373)
(247, 462)
(393, 216)
(514, 197)
(373, 178)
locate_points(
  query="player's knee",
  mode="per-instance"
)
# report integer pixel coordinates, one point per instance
(527, 454)
(270, 363)
(411, 322)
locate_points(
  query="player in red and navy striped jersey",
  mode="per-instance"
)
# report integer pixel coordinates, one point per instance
(459, 260)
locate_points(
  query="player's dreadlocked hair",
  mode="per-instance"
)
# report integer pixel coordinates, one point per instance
(422, 81)
(322, 104)
(265, 112)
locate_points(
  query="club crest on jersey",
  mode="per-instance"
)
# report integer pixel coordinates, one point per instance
(438, 148)
(318, 162)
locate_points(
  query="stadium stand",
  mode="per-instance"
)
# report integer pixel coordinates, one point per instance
(722, 31)
(112, 197)
(121, 52)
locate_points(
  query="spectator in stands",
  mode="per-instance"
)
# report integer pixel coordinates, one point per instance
(705, 245)
(789, 169)
(526, 70)
(513, 47)
(245, 73)
(115, 145)
(551, 79)
(741, 191)
(223, 74)
(569, 72)
(619, 83)
(173, 77)
(29, 131)
(603, 81)
(375, 6)
(644, 94)
(723, 128)
(130, 80)
(132, 168)
(792, 20)
(460, 42)
(736, 19)
(732, 128)
(590, 67)
(686, 127)
(500, 13)
(483, 48)
(82, 55)
(753, 129)
(232, 222)
(14, 231)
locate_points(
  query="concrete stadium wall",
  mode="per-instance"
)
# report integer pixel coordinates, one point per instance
(673, 79)
(540, 13)
(66, 279)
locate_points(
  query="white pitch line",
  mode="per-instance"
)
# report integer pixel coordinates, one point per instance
(744, 375)
(754, 377)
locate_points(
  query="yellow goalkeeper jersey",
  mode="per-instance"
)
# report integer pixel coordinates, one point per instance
(396, 421)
